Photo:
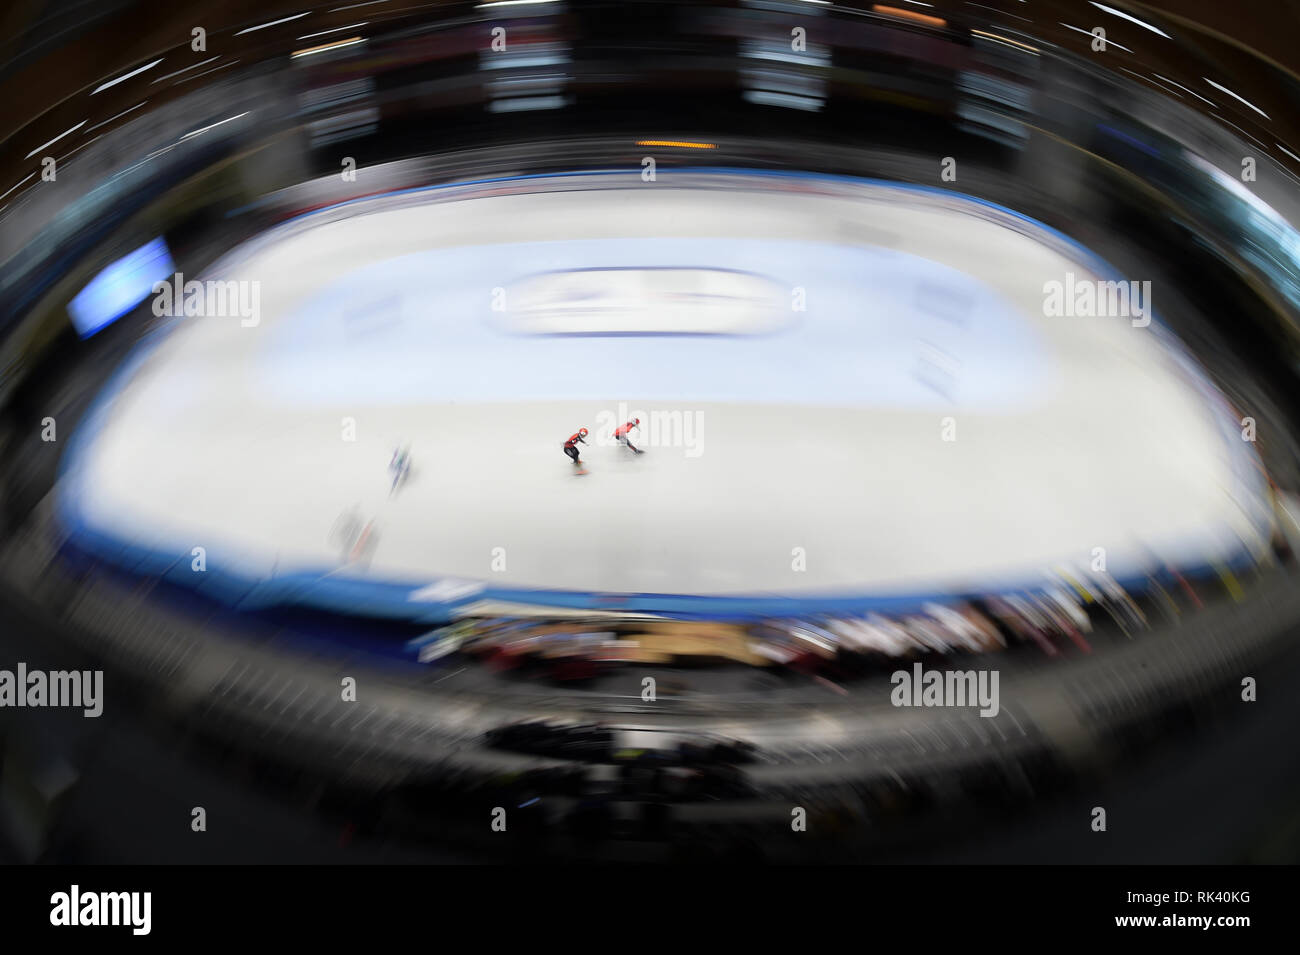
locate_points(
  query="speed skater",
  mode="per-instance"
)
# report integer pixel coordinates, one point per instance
(399, 466)
(621, 433)
(571, 446)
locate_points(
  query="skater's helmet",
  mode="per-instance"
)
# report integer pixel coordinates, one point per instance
(582, 431)
(636, 420)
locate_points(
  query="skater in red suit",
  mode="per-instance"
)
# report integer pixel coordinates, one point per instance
(621, 433)
(571, 446)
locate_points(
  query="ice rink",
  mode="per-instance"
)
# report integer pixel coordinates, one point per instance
(845, 389)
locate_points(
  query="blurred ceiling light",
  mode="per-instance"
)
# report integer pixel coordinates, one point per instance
(118, 116)
(674, 142)
(77, 149)
(1151, 80)
(997, 11)
(1165, 79)
(336, 45)
(1228, 122)
(1224, 89)
(514, 104)
(223, 66)
(1278, 145)
(784, 100)
(1108, 41)
(17, 184)
(1131, 19)
(922, 18)
(780, 52)
(213, 126)
(510, 3)
(353, 6)
(263, 26)
(996, 38)
(185, 70)
(126, 76)
(350, 26)
(55, 139)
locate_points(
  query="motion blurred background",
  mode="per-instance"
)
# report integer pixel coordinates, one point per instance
(915, 165)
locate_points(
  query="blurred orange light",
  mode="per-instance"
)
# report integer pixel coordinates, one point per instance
(674, 142)
(909, 15)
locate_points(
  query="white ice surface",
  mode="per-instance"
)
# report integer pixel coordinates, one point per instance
(1071, 433)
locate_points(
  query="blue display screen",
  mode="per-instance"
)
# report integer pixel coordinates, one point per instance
(120, 287)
